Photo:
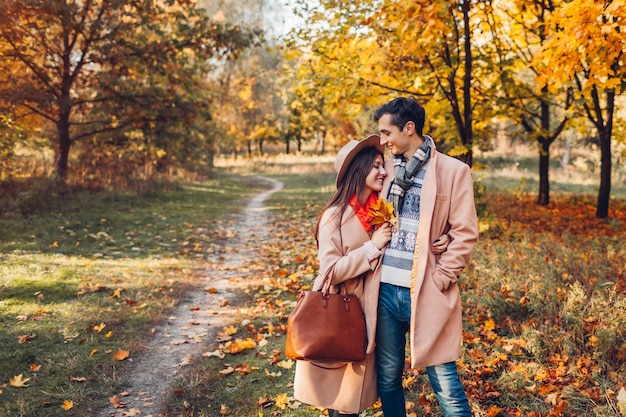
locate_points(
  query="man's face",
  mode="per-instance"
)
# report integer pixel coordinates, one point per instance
(397, 140)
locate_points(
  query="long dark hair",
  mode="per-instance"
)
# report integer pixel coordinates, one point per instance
(353, 182)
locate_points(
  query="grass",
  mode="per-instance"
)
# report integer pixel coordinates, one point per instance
(89, 276)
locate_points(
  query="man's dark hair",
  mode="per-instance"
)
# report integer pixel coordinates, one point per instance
(403, 110)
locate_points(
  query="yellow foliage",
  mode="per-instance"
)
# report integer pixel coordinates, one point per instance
(19, 381)
(381, 212)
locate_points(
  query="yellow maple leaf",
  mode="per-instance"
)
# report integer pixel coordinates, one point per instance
(287, 364)
(281, 401)
(120, 355)
(18, 381)
(239, 345)
(490, 325)
(99, 328)
(67, 404)
(382, 211)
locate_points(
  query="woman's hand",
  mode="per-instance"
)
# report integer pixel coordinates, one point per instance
(440, 245)
(382, 235)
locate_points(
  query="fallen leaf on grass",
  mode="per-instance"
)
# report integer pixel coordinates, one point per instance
(287, 364)
(240, 345)
(18, 381)
(211, 290)
(26, 338)
(131, 413)
(265, 402)
(224, 410)
(227, 371)
(116, 294)
(99, 328)
(34, 367)
(93, 352)
(230, 330)
(67, 405)
(281, 401)
(69, 334)
(120, 355)
(78, 379)
(243, 369)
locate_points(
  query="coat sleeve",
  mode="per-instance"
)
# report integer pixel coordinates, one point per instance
(463, 228)
(341, 257)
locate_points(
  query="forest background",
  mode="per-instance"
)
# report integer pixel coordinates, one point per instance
(140, 97)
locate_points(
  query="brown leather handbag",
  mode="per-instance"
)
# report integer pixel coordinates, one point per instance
(326, 327)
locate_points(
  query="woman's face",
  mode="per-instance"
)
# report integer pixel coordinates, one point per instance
(374, 180)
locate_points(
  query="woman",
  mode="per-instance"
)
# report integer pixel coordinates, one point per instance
(349, 251)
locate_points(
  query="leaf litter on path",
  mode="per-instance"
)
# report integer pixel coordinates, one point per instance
(209, 307)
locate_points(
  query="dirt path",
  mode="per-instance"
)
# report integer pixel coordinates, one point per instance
(186, 334)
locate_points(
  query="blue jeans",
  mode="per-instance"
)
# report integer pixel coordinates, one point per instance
(394, 316)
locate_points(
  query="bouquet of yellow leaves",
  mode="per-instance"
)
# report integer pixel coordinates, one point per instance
(382, 211)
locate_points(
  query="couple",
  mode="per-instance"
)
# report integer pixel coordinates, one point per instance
(405, 276)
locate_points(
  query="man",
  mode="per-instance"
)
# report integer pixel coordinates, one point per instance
(432, 195)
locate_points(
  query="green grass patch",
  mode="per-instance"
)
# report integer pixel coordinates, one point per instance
(88, 277)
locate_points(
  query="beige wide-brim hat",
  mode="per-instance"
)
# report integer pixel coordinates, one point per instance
(350, 150)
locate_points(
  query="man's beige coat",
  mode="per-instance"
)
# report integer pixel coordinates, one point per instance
(446, 206)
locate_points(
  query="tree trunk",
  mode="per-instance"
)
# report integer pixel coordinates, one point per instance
(287, 145)
(467, 85)
(605, 131)
(543, 198)
(604, 193)
(65, 141)
(63, 150)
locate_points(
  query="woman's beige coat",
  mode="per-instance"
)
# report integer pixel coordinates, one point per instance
(446, 206)
(350, 388)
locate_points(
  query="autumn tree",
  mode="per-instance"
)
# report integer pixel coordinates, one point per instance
(95, 69)
(250, 101)
(371, 50)
(586, 48)
(514, 33)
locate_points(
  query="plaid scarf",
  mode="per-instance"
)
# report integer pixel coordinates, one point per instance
(405, 171)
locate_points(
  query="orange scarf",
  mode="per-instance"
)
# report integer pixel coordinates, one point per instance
(362, 211)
